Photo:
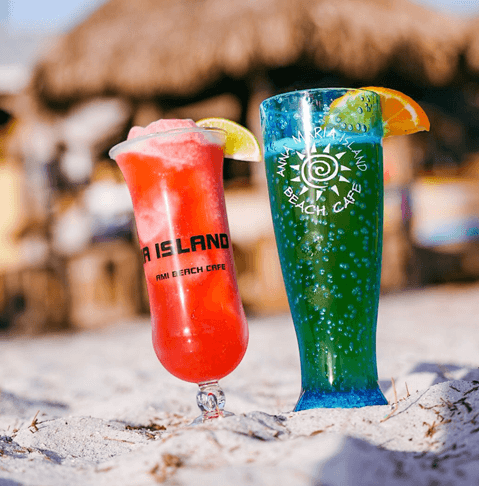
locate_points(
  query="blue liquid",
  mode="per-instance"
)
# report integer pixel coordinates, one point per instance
(326, 198)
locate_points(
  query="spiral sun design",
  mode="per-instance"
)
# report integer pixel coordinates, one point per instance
(319, 171)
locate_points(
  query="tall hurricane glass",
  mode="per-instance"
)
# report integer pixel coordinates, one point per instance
(199, 329)
(323, 156)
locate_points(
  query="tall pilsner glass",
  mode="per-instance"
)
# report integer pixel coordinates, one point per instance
(199, 329)
(325, 182)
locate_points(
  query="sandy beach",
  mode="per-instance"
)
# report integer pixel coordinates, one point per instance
(97, 408)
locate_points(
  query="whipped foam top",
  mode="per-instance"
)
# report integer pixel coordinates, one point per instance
(148, 140)
(160, 126)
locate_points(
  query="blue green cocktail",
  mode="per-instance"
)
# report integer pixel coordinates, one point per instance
(325, 182)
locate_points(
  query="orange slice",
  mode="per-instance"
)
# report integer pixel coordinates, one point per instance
(401, 114)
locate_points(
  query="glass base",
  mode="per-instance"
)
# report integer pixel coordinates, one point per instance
(203, 419)
(211, 400)
(351, 399)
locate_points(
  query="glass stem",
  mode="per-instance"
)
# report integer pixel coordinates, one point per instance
(211, 400)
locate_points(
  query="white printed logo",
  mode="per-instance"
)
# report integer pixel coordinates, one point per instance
(321, 169)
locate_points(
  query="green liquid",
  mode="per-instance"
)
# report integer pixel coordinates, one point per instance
(327, 207)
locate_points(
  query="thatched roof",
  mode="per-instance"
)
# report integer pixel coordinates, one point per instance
(180, 47)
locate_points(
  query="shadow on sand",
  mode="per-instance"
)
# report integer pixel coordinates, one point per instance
(454, 463)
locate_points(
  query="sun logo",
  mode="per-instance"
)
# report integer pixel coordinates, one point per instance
(320, 171)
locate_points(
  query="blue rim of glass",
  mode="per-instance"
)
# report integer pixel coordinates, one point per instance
(301, 92)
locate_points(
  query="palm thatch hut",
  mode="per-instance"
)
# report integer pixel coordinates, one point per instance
(166, 48)
(210, 57)
(215, 58)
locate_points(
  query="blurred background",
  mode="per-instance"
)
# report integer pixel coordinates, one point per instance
(76, 75)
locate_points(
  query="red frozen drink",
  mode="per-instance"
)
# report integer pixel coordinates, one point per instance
(174, 171)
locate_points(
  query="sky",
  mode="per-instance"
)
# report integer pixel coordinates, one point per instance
(59, 15)
(45, 15)
(461, 7)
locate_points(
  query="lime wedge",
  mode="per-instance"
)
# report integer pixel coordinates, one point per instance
(241, 144)
(352, 112)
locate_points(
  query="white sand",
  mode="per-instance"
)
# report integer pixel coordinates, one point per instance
(108, 414)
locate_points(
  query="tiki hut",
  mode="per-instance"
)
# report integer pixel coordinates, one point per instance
(179, 49)
(214, 58)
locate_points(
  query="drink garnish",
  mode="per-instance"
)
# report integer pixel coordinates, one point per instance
(353, 112)
(241, 144)
(401, 114)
